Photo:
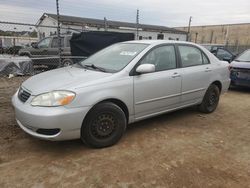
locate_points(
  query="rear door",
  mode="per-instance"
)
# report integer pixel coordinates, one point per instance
(66, 50)
(196, 73)
(53, 50)
(161, 90)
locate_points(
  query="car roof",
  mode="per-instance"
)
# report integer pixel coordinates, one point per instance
(155, 42)
(62, 35)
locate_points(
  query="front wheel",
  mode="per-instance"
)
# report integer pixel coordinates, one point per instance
(104, 125)
(210, 100)
(67, 62)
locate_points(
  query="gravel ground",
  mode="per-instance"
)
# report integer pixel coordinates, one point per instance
(180, 149)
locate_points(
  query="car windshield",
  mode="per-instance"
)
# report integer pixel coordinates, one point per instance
(113, 58)
(245, 56)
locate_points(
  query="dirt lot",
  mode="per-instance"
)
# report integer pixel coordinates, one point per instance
(181, 149)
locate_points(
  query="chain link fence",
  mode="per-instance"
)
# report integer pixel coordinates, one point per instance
(237, 49)
(230, 43)
(25, 50)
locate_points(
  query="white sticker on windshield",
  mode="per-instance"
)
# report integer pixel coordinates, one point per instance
(128, 53)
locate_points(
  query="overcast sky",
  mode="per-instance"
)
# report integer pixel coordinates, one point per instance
(158, 12)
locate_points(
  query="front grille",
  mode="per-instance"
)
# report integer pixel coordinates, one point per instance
(23, 95)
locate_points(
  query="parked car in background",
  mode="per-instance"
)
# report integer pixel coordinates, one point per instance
(240, 70)
(45, 52)
(14, 49)
(121, 84)
(212, 47)
(2, 50)
(220, 52)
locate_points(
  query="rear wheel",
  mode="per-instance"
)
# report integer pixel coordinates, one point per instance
(104, 125)
(210, 100)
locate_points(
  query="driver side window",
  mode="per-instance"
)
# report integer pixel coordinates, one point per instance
(221, 53)
(162, 57)
(44, 43)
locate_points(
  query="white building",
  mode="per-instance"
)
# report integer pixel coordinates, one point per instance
(78, 24)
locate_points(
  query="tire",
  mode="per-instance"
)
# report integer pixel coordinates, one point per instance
(104, 125)
(210, 100)
(67, 62)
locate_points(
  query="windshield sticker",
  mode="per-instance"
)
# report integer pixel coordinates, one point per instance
(128, 53)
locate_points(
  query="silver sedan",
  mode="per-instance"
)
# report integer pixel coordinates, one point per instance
(95, 99)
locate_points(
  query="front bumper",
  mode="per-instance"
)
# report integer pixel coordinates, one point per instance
(242, 83)
(236, 80)
(67, 120)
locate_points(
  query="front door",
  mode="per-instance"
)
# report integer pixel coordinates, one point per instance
(42, 48)
(158, 91)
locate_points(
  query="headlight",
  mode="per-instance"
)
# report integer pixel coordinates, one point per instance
(54, 98)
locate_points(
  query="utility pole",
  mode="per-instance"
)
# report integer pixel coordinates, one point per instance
(196, 35)
(105, 24)
(137, 24)
(58, 33)
(189, 25)
(212, 36)
(227, 34)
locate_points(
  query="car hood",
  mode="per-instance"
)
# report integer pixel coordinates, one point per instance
(26, 49)
(240, 64)
(62, 78)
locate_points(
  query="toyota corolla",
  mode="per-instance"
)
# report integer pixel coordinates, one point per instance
(127, 82)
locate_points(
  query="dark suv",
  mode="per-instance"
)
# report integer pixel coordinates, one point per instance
(220, 52)
(45, 52)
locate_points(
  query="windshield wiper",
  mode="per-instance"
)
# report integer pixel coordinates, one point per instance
(94, 67)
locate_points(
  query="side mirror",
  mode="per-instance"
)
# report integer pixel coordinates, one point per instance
(145, 68)
(228, 59)
(34, 44)
(234, 56)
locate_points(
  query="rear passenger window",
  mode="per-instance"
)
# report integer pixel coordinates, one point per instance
(190, 56)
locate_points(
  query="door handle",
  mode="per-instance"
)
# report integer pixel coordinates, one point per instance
(208, 69)
(175, 75)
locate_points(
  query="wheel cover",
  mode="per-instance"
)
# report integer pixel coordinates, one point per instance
(67, 63)
(103, 126)
(213, 99)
